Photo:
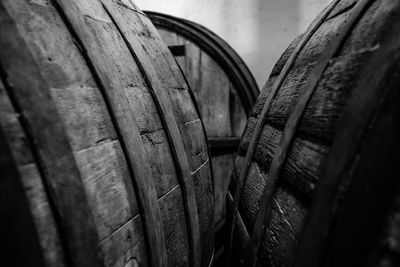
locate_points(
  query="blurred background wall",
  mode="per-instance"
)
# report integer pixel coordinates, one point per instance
(259, 30)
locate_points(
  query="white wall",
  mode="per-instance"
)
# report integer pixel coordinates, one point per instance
(259, 30)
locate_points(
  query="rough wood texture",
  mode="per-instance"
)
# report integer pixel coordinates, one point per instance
(110, 94)
(17, 216)
(221, 98)
(306, 184)
(34, 188)
(213, 92)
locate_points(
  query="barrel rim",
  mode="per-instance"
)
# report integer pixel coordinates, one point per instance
(218, 49)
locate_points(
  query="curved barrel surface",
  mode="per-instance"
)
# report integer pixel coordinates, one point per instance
(315, 176)
(101, 133)
(224, 89)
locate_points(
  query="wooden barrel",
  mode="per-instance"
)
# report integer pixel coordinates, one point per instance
(105, 155)
(223, 86)
(316, 181)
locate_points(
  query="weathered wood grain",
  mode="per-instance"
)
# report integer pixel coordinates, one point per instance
(318, 129)
(44, 219)
(16, 216)
(79, 102)
(360, 163)
(205, 200)
(150, 61)
(84, 128)
(105, 49)
(241, 238)
(175, 228)
(112, 130)
(161, 161)
(44, 128)
(222, 167)
(32, 185)
(292, 123)
(84, 113)
(276, 164)
(131, 239)
(108, 185)
(219, 104)
(301, 170)
(285, 227)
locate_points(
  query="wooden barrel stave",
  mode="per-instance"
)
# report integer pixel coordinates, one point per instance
(315, 134)
(96, 146)
(18, 210)
(37, 113)
(369, 215)
(31, 181)
(220, 105)
(222, 118)
(152, 56)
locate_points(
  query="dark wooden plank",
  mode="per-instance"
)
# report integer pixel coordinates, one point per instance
(129, 237)
(222, 168)
(232, 212)
(238, 114)
(200, 130)
(81, 107)
(334, 88)
(301, 169)
(161, 161)
(98, 37)
(287, 215)
(213, 91)
(351, 129)
(195, 144)
(241, 237)
(107, 181)
(299, 72)
(32, 182)
(176, 227)
(291, 127)
(84, 115)
(19, 245)
(221, 109)
(131, 240)
(206, 206)
(364, 40)
(154, 83)
(325, 106)
(30, 95)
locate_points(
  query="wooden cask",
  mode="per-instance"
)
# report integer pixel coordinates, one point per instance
(223, 86)
(316, 181)
(105, 156)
